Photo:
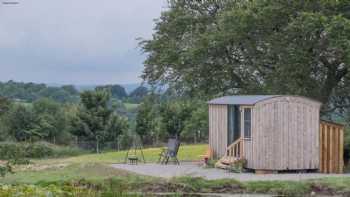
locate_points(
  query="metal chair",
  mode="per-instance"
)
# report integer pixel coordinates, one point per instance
(170, 152)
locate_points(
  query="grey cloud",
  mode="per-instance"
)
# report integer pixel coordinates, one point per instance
(80, 41)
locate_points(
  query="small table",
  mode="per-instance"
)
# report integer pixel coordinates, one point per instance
(133, 159)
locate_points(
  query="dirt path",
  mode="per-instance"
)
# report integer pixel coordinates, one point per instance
(193, 169)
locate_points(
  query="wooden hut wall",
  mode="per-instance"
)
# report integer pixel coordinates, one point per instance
(331, 147)
(218, 129)
(285, 134)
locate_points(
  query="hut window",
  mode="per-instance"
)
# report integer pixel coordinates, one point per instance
(234, 120)
(247, 122)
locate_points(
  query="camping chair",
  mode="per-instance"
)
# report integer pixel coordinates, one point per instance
(170, 152)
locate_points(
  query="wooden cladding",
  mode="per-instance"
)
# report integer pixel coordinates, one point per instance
(218, 128)
(285, 135)
(331, 147)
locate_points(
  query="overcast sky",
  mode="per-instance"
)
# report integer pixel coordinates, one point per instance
(75, 41)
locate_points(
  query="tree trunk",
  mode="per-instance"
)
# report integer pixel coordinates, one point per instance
(195, 138)
(97, 147)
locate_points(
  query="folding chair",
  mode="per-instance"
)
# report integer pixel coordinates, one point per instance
(170, 152)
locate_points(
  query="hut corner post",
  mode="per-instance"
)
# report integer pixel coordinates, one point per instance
(331, 147)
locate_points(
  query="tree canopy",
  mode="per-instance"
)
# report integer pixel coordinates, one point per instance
(30, 92)
(214, 48)
(138, 94)
(96, 120)
(116, 91)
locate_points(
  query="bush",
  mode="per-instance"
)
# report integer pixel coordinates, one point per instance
(5, 168)
(16, 151)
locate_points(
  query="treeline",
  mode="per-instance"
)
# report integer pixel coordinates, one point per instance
(92, 119)
(30, 92)
(161, 116)
(98, 120)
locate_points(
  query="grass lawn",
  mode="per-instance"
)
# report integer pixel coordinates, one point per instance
(88, 171)
(186, 153)
(92, 171)
(90, 166)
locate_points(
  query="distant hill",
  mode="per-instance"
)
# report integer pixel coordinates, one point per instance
(131, 87)
(32, 91)
(82, 88)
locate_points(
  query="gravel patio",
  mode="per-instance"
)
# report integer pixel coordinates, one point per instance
(195, 170)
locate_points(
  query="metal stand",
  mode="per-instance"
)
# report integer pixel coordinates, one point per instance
(134, 158)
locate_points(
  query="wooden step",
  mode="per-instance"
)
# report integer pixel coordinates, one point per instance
(226, 162)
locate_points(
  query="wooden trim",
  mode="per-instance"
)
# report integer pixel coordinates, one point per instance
(328, 122)
(236, 149)
(331, 147)
(341, 152)
(241, 108)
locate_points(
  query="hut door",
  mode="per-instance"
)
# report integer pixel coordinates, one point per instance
(234, 126)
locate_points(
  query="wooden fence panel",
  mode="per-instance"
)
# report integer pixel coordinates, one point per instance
(331, 147)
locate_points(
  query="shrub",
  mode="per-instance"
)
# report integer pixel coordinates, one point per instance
(38, 150)
(238, 165)
(10, 150)
(211, 163)
(5, 168)
(18, 151)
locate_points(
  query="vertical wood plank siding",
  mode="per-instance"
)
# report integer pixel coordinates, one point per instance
(331, 147)
(285, 134)
(218, 128)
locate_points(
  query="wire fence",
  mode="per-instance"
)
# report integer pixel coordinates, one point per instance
(113, 145)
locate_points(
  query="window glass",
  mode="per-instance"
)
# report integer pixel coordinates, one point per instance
(234, 129)
(247, 122)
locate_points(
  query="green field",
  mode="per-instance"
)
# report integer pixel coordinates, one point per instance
(131, 106)
(89, 166)
(91, 173)
(186, 153)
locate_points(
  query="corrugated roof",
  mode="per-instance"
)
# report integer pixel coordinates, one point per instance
(240, 99)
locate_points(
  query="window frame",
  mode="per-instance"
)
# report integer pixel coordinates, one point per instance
(243, 108)
(232, 122)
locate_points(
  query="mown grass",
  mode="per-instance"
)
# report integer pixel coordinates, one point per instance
(89, 171)
(93, 171)
(186, 153)
(89, 166)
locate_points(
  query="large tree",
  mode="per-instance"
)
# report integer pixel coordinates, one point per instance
(138, 94)
(50, 119)
(116, 91)
(96, 120)
(174, 116)
(19, 123)
(213, 48)
(146, 119)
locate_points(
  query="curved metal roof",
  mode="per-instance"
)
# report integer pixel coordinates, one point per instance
(240, 99)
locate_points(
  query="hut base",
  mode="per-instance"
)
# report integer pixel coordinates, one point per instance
(266, 171)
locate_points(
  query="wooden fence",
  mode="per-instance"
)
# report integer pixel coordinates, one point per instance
(331, 147)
